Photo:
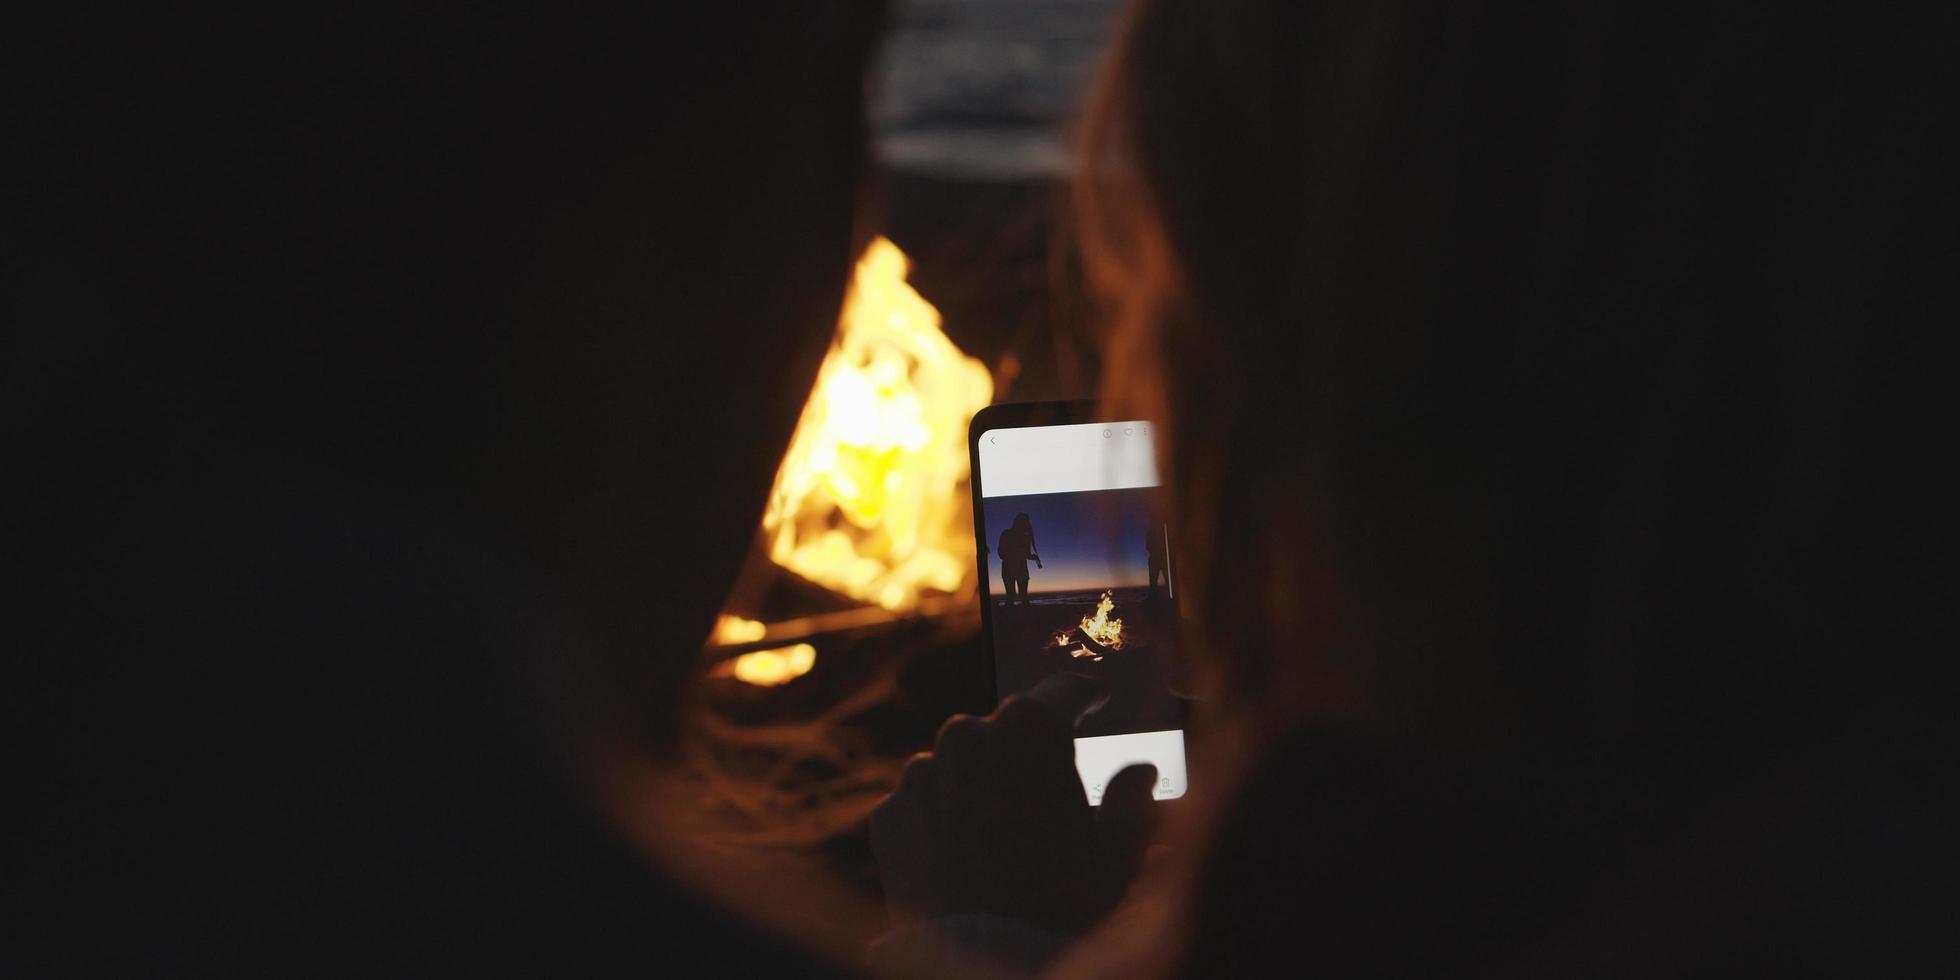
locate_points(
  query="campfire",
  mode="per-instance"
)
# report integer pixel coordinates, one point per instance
(1101, 633)
(870, 501)
(867, 501)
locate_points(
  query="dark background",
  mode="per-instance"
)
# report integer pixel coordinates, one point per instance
(973, 103)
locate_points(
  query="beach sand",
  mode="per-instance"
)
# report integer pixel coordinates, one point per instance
(1025, 651)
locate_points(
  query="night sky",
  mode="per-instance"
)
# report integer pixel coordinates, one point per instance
(1091, 540)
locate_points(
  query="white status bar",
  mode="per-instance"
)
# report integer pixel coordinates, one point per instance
(1067, 458)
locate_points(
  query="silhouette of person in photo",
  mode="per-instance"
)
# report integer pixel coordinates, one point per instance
(1016, 547)
(1154, 542)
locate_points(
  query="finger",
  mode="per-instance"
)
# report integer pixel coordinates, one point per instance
(913, 804)
(1032, 738)
(1069, 696)
(896, 841)
(1127, 819)
(959, 737)
(916, 774)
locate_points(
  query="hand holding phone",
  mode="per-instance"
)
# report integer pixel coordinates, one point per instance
(1041, 810)
(993, 820)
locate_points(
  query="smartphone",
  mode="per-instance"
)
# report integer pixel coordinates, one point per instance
(1076, 574)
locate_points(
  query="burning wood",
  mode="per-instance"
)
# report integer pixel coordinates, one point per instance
(730, 630)
(770, 668)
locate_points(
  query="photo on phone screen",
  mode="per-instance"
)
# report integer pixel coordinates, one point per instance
(1077, 572)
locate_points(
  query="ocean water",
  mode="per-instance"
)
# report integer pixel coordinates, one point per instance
(986, 89)
(1120, 597)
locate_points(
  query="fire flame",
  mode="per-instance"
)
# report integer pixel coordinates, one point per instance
(867, 501)
(769, 668)
(1101, 628)
(735, 629)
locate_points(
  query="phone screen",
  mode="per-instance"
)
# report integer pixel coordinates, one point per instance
(1076, 566)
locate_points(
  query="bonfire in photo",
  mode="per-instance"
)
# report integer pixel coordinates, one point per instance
(1100, 634)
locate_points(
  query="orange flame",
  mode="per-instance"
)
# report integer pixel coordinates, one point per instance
(770, 668)
(868, 501)
(735, 629)
(1103, 629)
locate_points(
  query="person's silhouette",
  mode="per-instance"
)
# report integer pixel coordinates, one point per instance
(1016, 547)
(1158, 548)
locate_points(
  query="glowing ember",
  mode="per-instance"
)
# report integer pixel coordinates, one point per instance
(868, 501)
(1101, 628)
(769, 668)
(1084, 651)
(730, 630)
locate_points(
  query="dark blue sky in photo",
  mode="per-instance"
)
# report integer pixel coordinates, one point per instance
(1092, 540)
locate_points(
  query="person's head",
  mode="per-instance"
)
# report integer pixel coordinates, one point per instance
(1517, 372)
(374, 363)
(1021, 522)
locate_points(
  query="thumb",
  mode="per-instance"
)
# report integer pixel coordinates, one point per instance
(1126, 820)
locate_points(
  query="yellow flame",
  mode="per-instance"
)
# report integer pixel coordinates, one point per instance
(1103, 629)
(730, 630)
(868, 501)
(1084, 651)
(769, 668)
